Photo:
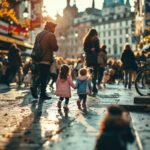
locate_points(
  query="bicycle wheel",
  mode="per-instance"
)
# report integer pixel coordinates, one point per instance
(142, 82)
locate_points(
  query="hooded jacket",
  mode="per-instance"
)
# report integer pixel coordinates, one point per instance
(83, 85)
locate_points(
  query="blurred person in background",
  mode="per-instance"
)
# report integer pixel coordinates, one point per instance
(129, 65)
(91, 48)
(14, 63)
(102, 62)
(115, 130)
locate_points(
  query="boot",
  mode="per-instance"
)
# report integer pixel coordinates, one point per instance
(84, 107)
(78, 104)
(34, 92)
(66, 108)
(59, 104)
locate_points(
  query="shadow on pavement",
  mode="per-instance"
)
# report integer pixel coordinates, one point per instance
(30, 138)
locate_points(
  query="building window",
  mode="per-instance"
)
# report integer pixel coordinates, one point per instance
(109, 41)
(120, 40)
(109, 33)
(104, 42)
(104, 34)
(120, 31)
(114, 32)
(127, 31)
(120, 23)
(109, 50)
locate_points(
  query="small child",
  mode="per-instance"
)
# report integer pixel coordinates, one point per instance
(106, 78)
(27, 78)
(63, 86)
(115, 130)
(83, 85)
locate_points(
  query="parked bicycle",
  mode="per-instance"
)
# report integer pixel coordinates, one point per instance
(142, 81)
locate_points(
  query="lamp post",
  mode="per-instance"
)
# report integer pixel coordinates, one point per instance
(25, 13)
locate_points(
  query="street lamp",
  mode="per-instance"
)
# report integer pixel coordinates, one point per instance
(25, 13)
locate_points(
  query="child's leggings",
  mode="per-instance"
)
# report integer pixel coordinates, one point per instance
(66, 100)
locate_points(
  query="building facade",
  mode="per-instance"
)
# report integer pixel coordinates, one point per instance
(115, 26)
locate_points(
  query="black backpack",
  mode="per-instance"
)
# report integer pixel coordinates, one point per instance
(37, 52)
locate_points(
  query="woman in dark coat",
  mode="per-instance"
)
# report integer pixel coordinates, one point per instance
(115, 131)
(14, 63)
(129, 65)
(91, 49)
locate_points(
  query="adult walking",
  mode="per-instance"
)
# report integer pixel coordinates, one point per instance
(129, 65)
(14, 63)
(91, 49)
(48, 45)
(102, 62)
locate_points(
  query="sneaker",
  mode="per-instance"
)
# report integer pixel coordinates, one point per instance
(59, 104)
(78, 104)
(34, 92)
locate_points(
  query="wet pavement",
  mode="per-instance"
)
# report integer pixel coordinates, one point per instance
(27, 124)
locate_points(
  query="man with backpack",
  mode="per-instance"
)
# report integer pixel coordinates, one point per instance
(43, 58)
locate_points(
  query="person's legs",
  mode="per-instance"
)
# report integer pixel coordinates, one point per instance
(84, 102)
(59, 102)
(79, 101)
(94, 79)
(35, 80)
(100, 74)
(44, 74)
(126, 78)
(54, 78)
(10, 74)
(130, 79)
(66, 103)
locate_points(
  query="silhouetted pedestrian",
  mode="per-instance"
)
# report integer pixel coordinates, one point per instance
(129, 65)
(115, 130)
(91, 48)
(48, 45)
(14, 63)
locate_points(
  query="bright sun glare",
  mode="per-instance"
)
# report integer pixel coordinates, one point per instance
(53, 7)
(56, 6)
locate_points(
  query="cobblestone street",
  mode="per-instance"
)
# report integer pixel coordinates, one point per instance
(27, 124)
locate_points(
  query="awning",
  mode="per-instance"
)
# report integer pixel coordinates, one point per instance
(12, 40)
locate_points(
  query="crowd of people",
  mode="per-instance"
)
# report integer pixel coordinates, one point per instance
(86, 75)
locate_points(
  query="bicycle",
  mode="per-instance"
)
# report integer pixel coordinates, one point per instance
(142, 81)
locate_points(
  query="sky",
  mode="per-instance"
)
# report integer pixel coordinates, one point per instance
(56, 6)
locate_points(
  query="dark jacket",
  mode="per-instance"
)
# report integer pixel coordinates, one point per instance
(48, 45)
(14, 58)
(115, 138)
(91, 56)
(128, 60)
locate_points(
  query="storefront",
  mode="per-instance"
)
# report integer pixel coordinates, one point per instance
(10, 34)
